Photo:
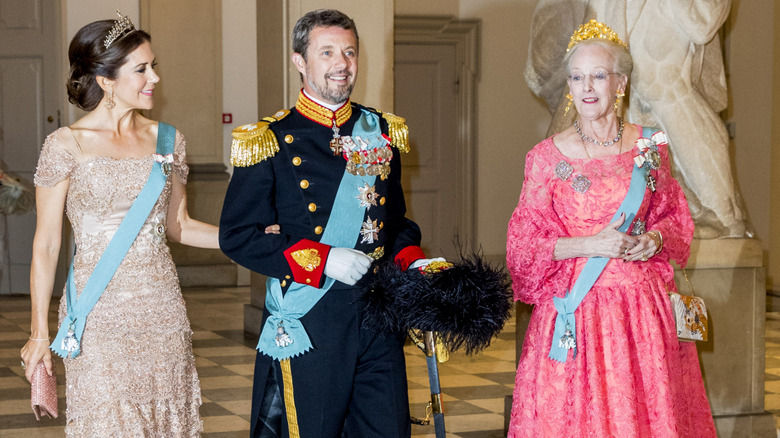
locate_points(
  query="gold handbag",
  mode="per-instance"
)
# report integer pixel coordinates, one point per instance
(690, 315)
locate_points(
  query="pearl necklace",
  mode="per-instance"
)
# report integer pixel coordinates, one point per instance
(600, 143)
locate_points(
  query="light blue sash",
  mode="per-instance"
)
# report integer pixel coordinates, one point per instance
(67, 343)
(342, 230)
(565, 323)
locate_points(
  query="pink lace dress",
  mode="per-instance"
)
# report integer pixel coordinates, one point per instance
(631, 377)
(135, 376)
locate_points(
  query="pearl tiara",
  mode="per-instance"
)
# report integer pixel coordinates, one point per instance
(121, 27)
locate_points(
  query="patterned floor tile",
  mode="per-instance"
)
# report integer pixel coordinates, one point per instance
(474, 388)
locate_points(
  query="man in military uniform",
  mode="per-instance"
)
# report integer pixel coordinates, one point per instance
(328, 172)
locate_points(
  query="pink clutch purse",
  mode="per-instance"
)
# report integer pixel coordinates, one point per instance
(43, 394)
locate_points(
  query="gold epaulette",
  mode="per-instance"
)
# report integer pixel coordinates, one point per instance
(398, 131)
(255, 142)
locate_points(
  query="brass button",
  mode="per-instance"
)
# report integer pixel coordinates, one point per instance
(382, 200)
(296, 160)
(308, 280)
(287, 277)
(288, 138)
(304, 184)
(318, 230)
(284, 283)
(312, 207)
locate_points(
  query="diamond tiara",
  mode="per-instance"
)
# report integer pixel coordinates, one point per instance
(594, 29)
(121, 27)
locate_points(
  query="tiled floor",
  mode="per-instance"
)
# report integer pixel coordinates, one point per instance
(473, 388)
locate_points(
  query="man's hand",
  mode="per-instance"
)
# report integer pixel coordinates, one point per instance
(347, 265)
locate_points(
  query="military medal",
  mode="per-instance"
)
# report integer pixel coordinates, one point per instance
(367, 196)
(337, 143)
(567, 340)
(165, 162)
(69, 342)
(282, 338)
(370, 231)
(363, 161)
(650, 182)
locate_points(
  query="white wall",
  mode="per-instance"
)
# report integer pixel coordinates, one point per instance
(239, 66)
(78, 13)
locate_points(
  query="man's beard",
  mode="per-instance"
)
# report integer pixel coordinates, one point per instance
(334, 95)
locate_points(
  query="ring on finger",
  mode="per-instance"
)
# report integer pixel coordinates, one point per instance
(644, 256)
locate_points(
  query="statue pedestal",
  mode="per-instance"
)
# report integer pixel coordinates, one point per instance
(730, 276)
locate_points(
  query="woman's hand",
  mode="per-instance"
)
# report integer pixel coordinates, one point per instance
(649, 244)
(609, 243)
(33, 352)
(612, 243)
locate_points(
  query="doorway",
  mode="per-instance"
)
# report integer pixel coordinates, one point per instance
(30, 87)
(435, 75)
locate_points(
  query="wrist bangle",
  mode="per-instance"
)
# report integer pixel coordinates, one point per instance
(40, 339)
(659, 242)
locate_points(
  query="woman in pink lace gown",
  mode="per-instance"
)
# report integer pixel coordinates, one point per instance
(630, 376)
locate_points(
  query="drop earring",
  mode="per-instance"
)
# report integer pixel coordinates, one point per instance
(110, 104)
(618, 95)
(568, 104)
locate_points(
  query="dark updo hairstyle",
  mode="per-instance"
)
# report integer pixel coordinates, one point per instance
(89, 58)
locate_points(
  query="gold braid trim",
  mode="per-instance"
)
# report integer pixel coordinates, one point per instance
(318, 113)
(255, 142)
(289, 399)
(398, 131)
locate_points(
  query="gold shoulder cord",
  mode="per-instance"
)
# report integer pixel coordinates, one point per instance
(398, 131)
(254, 142)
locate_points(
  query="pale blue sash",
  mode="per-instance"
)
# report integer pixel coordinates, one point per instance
(342, 230)
(565, 322)
(67, 343)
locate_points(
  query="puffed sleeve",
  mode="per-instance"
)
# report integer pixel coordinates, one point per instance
(533, 232)
(180, 158)
(56, 161)
(668, 213)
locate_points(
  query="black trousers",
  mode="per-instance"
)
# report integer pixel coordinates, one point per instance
(352, 384)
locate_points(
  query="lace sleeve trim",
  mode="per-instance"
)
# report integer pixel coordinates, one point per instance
(55, 163)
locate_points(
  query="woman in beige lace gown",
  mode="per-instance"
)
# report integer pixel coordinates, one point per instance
(135, 374)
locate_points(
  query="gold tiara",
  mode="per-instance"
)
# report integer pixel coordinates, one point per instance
(594, 29)
(121, 27)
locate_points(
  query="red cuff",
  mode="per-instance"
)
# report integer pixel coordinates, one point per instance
(408, 255)
(307, 261)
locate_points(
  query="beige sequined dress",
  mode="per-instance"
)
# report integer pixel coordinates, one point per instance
(135, 376)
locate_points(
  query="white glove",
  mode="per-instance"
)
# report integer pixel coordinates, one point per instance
(347, 265)
(422, 263)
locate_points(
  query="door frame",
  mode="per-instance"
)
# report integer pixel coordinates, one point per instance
(464, 36)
